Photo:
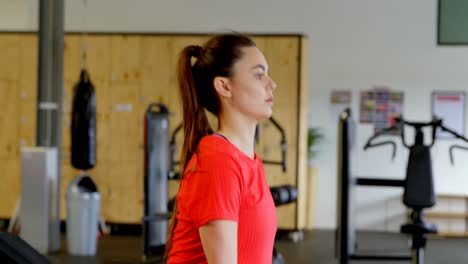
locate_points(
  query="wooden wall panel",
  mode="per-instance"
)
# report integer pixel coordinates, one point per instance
(125, 59)
(9, 126)
(125, 187)
(9, 120)
(156, 70)
(27, 90)
(99, 63)
(124, 122)
(72, 58)
(283, 58)
(27, 122)
(10, 187)
(306, 184)
(10, 56)
(282, 55)
(28, 60)
(130, 72)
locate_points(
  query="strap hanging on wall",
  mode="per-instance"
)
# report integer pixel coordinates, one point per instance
(84, 41)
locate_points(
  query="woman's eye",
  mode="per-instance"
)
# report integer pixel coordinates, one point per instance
(259, 76)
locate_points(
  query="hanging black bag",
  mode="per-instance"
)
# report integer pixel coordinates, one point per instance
(83, 125)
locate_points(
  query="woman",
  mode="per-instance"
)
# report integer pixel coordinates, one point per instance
(224, 211)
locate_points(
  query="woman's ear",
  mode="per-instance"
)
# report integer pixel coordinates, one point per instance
(222, 86)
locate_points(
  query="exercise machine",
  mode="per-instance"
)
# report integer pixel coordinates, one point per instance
(156, 169)
(418, 186)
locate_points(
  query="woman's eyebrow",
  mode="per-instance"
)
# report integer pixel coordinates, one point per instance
(259, 66)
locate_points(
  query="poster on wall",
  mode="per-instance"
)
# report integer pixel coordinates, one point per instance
(380, 106)
(340, 97)
(367, 107)
(339, 101)
(450, 107)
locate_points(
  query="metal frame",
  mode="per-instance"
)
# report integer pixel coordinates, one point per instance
(345, 232)
(49, 97)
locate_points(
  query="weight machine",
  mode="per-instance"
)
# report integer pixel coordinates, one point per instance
(418, 186)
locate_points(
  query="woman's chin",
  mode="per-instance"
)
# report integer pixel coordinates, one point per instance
(265, 116)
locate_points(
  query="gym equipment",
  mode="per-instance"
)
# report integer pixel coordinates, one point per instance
(173, 162)
(277, 257)
(156, 214)
(283, 194)
(345, 233)
(418, 186)
(283, 145)
(451, 149)
(83, 124)
(13, 249)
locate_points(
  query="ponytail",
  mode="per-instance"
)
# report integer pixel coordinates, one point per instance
(195, 121)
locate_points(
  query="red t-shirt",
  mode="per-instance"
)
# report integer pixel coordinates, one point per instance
(221, 182)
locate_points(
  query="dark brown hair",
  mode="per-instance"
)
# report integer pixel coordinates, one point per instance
(215, 58)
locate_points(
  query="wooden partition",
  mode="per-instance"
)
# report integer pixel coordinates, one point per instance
(130, 72)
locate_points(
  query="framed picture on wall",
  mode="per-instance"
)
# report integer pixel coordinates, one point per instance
(450, 107)
(379, 106)
(452, 22)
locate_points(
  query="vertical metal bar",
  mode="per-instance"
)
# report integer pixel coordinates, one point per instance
(49, 107)
(44, 68)
(344, 191)
(417, 256)
(344, 228)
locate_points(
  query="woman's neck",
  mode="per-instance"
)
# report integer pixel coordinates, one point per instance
(240, 132)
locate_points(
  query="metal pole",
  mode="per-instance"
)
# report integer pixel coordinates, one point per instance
(417, 256)
(49, 98)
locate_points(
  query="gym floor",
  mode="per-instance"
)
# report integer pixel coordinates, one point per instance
(317, 247)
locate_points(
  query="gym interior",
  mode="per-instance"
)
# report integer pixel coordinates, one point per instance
(364, 153)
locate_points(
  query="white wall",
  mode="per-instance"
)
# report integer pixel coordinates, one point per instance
(353, 45)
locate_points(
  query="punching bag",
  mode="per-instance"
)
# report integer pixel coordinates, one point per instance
(83, 124)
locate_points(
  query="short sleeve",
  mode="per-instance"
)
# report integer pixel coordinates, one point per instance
(214, 189)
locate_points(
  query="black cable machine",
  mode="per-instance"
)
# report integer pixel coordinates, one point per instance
(418, 186)
(283, 145)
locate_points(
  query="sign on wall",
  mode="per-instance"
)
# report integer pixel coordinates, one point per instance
(450, 107)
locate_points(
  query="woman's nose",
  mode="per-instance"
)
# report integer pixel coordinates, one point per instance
(273, 84)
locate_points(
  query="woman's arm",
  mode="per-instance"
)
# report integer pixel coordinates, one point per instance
(219, 240)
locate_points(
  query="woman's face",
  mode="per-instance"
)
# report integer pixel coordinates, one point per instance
(251, 86)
